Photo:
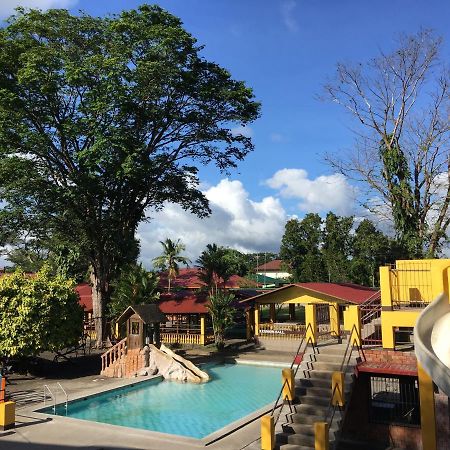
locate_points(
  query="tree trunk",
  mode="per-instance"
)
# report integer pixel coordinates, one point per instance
(99, 297)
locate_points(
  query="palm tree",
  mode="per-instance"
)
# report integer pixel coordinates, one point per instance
(215, 267)
(222, 314)
(170, 259)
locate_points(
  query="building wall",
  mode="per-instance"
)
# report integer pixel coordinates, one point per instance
(276, 275)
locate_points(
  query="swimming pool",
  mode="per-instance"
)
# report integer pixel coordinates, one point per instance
(194, 410)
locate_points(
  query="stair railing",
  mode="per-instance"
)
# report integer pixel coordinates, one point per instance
(352, 344)
(114, 353)
(371, 307)
(52, 396)
(297, 360)
(65, 394)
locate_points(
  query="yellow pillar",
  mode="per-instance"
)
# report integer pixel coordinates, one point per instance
(7, 415)
(337, 389)
(257, 320)
(202, 329)
(427, 412)
(288, 383)
(321, 436)
(311, 323)
(267, 433)
(334, 319)
(353, 322)
(385, 286)
(272, 316)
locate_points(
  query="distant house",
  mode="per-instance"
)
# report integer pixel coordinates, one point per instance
(273, 269)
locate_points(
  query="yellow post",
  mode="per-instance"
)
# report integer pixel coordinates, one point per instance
(353, 314)
(267, 433)
(256, 320)
(334, 319)
(385, 286)
(7, 415)
(288, 383)
(202, 329)
(272, 316)
(427, 412)
(311, 323)
(321, 436)
(337, 381)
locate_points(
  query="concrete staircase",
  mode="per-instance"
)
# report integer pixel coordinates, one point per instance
(313, 389)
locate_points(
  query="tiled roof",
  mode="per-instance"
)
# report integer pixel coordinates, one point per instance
(184, 302)
(189, 279)
(352, 293)
(274, 266)
(387, 368)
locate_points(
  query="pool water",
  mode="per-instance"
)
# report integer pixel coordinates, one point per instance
(194, 410)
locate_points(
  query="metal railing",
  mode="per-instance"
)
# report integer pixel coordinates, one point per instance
(296, 361)
(370, 311)
(52, 396)
(65, 394)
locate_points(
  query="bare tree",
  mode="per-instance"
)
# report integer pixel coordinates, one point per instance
(401, 156)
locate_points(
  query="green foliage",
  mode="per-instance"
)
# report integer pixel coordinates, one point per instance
(301, 248)
(134, 286)
(103, 118)
(170, 259)
(398, 179)
(222, 315)
(337, 247)
(38, 313)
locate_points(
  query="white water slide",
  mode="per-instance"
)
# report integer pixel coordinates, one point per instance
(432, 341)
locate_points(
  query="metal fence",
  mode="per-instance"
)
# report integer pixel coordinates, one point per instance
(394, 400)
(411, 284)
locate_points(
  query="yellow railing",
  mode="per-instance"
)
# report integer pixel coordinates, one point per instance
(181, 338)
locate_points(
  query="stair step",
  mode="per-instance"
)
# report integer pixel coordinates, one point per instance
(323, 357)
(296, 447)
(314, 400)
(307, 428)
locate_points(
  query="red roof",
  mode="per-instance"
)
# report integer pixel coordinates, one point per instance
(85, 292)
(274, 266)
(184, 302)
(189, 279)
(352, 293)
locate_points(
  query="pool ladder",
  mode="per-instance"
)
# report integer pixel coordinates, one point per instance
(53, 396)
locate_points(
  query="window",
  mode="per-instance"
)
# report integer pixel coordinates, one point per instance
(394, 400)
(134, 327)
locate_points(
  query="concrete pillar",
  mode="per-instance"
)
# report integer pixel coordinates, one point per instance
(321, 436)
(291, 311)
(7, 415)
(257, 320)
(311, 323)
(337, 388)
(267, 433)
(202, 329)
(334, 320)
(353, 314)
(272, 315)
(427, 411)
(385, 286)
(288, 383)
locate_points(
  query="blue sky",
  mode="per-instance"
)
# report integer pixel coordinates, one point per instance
(284, 50)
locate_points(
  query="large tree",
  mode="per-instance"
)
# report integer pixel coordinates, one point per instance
(102, 119)
(400, 101)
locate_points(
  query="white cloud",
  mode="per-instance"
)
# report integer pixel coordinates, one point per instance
(287, 14)
(236, 221)
(325, 193)
(243, 130)
(7, 6)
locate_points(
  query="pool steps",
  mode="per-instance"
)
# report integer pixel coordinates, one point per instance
(313, 391)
